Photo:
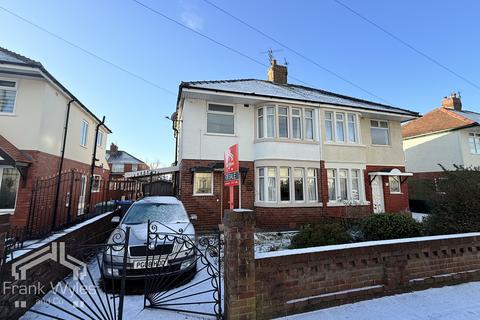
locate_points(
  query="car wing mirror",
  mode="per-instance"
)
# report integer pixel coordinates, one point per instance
(115, 219)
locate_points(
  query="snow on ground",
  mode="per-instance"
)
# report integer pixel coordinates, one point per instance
(460, 302)
(273, 241)
(133, 303)
(419, 216)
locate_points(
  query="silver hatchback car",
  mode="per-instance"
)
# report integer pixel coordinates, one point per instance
(169, 251)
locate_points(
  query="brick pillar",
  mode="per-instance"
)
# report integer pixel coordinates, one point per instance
(394, 272)
(4, 227)
(239, 264)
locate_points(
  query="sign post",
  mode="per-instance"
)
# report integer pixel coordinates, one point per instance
(231, 171)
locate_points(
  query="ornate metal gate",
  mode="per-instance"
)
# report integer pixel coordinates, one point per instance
(183, 273)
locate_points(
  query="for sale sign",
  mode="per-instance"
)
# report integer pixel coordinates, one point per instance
(230, 166)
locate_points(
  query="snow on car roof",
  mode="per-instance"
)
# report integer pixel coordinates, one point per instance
(160, 199)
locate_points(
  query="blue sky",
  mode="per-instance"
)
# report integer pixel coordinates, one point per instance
(128, 35)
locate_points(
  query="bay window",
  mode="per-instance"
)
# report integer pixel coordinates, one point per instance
(292, 122)
(296, 123)
(283, 122)
(341, 127)
(203, 183)
(220, 119)
(9, 178)
(344, 184)
(379, 132)
(290, 185)
(8, 93)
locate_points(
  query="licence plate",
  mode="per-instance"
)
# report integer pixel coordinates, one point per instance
(157, 263)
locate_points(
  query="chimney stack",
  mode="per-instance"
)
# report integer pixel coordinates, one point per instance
(277, 73)
(113, 148)
(452, 102)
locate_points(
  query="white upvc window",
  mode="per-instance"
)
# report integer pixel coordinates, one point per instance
(9, 180)
(8, 94)
(203, 184)
(298, 184)
(284, 184)
(309, 124)
(341, 127)
(296, 123)
(96, 183)
(474, 142)
(220, 119)
(311, 182)
(266, 122)
(283, 122)
(260, 123)
(134, 167)
(271, 184)
(118, 167)
(99, 139)
(344, 185)
(394, 183)
(380, 132)
(84, 133)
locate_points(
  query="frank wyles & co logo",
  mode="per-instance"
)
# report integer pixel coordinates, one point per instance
(55, 252)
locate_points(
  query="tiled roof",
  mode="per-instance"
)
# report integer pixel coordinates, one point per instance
(440, 119)
(11, 151)
(13, 57)
(122, 157)
(293, 92)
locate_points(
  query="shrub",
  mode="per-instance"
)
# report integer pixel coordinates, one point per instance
(320, 234)
(456, 207)
(390, 226)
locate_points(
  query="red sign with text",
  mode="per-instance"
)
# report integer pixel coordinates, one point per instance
(231, 167)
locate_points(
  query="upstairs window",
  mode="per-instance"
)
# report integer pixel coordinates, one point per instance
(283, 122)
(220, 119)
(84, 133)
(309, 134)
(118, 167)
(8, 93)
(352, 128)
(474, 141)
(296, 123)
(134, 167)
(99, 139)
(379, 132)
(341, 127)
(329, 126)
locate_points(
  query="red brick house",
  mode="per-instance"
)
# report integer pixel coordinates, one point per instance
(447, 136)
(121, 162)
(44, 130)
(304, 152)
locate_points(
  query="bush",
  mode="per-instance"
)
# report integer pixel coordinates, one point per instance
(456, 207)
(390, 226)
(320, 234)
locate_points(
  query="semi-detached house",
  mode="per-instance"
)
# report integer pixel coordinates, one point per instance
(304, 152)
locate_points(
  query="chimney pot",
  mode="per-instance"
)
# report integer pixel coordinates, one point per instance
(452, 102)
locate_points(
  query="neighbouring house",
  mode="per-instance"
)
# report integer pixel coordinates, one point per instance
(44, 130)
(304, 152)
(122, 162)
(446, 136)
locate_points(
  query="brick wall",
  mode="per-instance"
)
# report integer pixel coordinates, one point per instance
(306, 280)
(49, 272)
(44, 165)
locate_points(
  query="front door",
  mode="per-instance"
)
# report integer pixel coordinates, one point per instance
(377, 195)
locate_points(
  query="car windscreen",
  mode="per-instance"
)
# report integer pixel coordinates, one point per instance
(160, 212)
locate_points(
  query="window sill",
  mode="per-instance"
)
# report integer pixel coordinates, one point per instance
(287, 140)
(220, 134)
(203, 194)
(396, 193)
(341, 204)
(287, 204)
(7, 211)
(345, 144)
(381, 145)
(8, 114)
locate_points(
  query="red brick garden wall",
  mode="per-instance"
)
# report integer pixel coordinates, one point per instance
(304, 280)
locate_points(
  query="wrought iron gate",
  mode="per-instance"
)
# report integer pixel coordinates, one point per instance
(183, 273)
(97, 289)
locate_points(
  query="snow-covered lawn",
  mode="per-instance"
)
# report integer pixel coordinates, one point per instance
(419, 216)
(460, 302)
(273, 241)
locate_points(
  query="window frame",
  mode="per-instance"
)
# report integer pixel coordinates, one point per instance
(315, 184)
(97, 189)
(389, 140)
(474, 137)
(233, 114)
(134, 165)
(345, 125)
(299, 118)
(312, 118)
(14, 88)
(9, 210)
(195, 193)
(99, 138)
(287, 116)
(84, 133)
(118, 164)
(361, 186)
(390, 178)
(304, 196)
(280, 177)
